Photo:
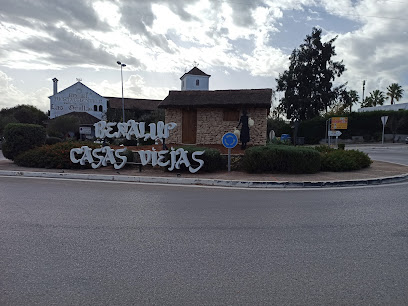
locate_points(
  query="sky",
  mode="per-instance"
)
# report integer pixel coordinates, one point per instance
(242, 44)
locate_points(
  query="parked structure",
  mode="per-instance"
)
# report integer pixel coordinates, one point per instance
(204, 116)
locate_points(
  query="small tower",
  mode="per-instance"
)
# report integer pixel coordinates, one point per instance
(195, 79)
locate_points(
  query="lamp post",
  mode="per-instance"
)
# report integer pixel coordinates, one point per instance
(363, 91)
(123, 100)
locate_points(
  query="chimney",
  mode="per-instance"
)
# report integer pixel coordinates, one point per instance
(55, 80)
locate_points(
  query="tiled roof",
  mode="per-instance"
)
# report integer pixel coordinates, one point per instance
(218, 98)
(140, 104)
(195, 71)
(84, 118)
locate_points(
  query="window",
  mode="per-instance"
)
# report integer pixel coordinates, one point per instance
(197, 82)
(231, 115)
(100, 108)
(95, 108)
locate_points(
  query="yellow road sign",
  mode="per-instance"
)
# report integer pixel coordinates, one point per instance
(339, 123)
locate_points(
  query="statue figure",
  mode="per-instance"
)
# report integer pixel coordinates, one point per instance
(244, 136)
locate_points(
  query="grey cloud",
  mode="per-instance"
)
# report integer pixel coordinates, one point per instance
(76, 14)
(70, 49)
(137, 16)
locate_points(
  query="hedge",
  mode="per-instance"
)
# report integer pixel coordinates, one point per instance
(212, 158)
(343, 160)
(21, 137)
(52, 156)
(278, 158)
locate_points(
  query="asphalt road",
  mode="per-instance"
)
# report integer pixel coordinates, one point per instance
(103, 243)
(394, 153)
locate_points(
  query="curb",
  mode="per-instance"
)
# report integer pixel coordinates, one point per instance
(209, 182)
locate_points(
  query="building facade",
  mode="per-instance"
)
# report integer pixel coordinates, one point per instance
(203, 116)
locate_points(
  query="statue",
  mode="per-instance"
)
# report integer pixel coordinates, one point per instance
(244, 136)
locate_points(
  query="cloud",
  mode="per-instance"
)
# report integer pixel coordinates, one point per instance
(134, 86)
(12, 96)
(376, 52)
(77, 14)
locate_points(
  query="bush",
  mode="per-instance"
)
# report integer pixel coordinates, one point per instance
(278, 158)
(341, 146)
(52, 156)
(345, 160)
(211, 157)
(21, 137)
(52, 140)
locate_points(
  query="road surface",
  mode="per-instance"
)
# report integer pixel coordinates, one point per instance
(102, 243)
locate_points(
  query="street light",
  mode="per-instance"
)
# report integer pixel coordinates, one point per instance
(123, 100)
(363, 91)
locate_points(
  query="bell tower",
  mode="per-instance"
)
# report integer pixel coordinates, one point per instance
(195, 79)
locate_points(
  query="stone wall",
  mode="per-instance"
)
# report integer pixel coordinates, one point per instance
(176, 116)
(211, 126)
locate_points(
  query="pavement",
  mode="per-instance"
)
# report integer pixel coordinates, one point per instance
(378, 173)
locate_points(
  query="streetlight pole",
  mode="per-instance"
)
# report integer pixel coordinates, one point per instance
(363, 91)
(123, 100)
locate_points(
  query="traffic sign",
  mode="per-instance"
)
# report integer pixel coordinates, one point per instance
(384, 120)
(229, 140)
(339, 123)
(334, 133)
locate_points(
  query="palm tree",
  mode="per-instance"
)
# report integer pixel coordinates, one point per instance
(378, 97)
(353, 95)
(394, 92)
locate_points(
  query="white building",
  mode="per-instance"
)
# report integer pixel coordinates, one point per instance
(394, 107)
(77, 98)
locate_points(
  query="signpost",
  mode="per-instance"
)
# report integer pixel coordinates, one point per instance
(229, 140)
(334, 133)
(384, 122)
(339, 123)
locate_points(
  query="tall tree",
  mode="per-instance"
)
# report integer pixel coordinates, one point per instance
(394, 92)
(307, 84)
(376, 98)
(348, 98)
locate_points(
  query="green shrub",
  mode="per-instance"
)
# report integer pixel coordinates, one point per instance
(324, 149)
(21, 137)
(278, 158)
(211, 157)
(341, 146)
(52, 156)
(52, 140)
(345, 160)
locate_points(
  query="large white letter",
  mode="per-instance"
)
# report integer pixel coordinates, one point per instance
(100, 157)
(162, 155)
(145, 157)
(73, 152)
(183, 158)
(200, 161)
(173, 157)
(122, 157)
(109, 157)
(168, 127)
(122, 129)
(87, 157)
(109, 129)
(100, 129)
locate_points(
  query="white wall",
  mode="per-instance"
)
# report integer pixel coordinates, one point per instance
(189, 82)
(77, 98)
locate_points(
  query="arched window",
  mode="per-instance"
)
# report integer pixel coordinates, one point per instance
(100, 108)
(95, 108)
(197, 82)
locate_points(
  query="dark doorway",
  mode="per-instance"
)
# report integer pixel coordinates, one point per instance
(189, 126)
